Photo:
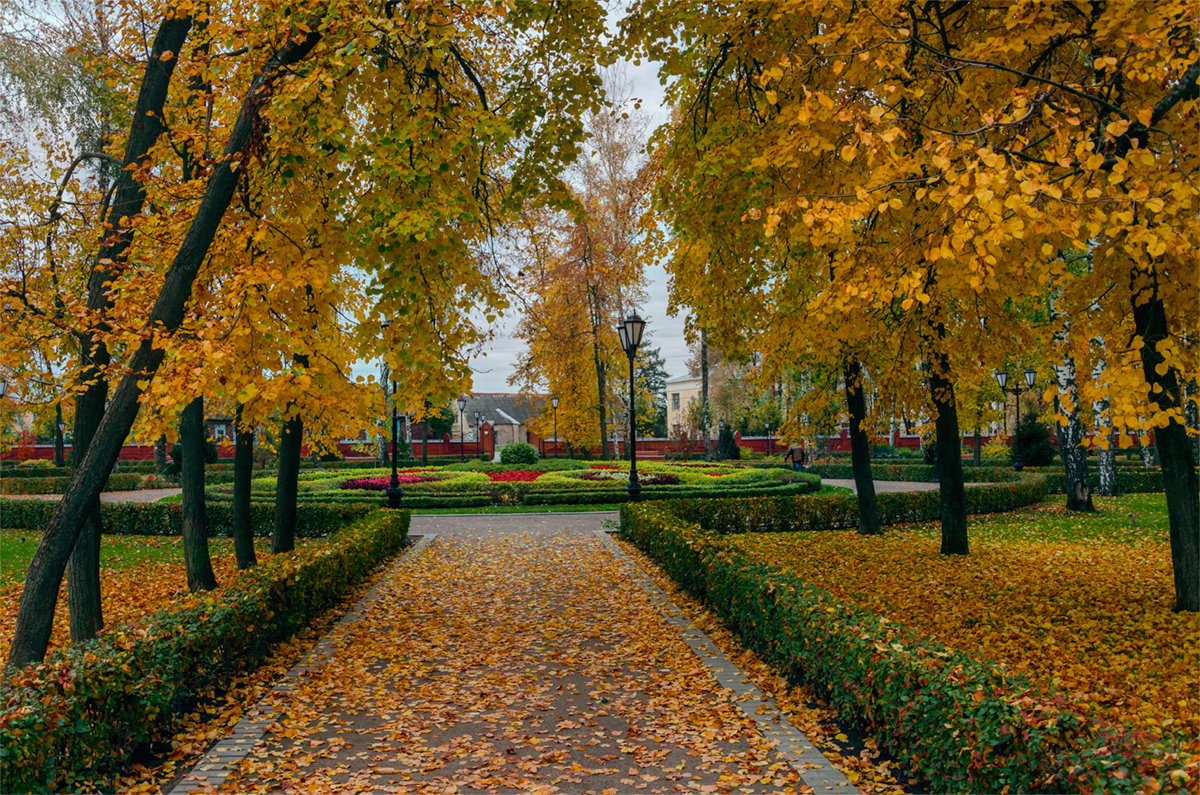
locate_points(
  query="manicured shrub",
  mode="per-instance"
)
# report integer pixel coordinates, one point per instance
(1036, 448)
(519, 453)
(959, 724)
(82, 714)
(120, 481)
(313, 520)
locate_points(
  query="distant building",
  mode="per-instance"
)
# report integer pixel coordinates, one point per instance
(507, 413)
(681, 393)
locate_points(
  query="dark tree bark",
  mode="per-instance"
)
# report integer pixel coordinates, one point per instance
(283, 534)
(86, 615)
(59, 459)
(243, 473)
(31, 633)
(860, 451)
(949, 453)
(705, 416)
(600, 387)
(1180, 480)
(977, 456)
(196, 558)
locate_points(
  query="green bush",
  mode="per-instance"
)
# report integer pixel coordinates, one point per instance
(313, 520)
(120, 481)
(519, 453)
(1036, 448)
(82, 714)
(959, 724)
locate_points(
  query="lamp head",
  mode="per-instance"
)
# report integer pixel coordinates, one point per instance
(1030, 377)
(1001, 378)
(554, 402)
(634, 327)
(462, 405)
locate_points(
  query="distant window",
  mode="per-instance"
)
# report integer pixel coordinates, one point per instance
(675, 401)
(220, 431)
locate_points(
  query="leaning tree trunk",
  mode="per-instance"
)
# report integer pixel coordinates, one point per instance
(83, 568)
(949, 454)
(35, 616)
(196, 558)
(705, 414)
(243, 473)
(283, 535)
(1179, 475)
(860, 450)
(1070, 439)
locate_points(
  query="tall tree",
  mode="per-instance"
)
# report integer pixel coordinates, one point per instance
(429, 98)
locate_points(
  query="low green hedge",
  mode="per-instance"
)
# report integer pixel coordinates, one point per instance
(313, 520)
(80, 716)
(120, 481)
(1130, 480)
(766, 514)
(957, 723)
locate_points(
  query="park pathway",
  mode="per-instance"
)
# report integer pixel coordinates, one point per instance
(515, 654)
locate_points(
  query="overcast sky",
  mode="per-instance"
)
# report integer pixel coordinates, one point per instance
(492, 369)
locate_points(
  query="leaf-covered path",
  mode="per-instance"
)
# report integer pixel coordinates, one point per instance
(511, 654)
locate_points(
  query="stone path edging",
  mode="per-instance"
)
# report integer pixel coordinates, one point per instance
(814, 768)
(219, 761)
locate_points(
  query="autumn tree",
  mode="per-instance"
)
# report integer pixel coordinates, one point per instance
(391, 107)
(937, 158)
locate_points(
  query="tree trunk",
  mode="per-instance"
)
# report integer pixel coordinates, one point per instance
(1191, 416)
(1145, 451)
(59, 459)
(860, 451)
(283, 536)
(83, 568)
(705, 415)
(381, 449)
(1180, 480)
(949, 454)
(243, 473)
(977, 457)
(1070, 439)
(600, 400)
(196, 558)
(35, 616)
(160, 456)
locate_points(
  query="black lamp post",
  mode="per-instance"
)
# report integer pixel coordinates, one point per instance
(60, 459)
(1016, 390)
(768, 438)
(394, 493)
(554, 405)
(482, 420)
(478, 434)
(462, 436)
(630, 333)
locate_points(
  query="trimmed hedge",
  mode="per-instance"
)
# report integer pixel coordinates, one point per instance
(960, 724)
(765, 514)
(313, 520)
(120, 481)
(80, 715)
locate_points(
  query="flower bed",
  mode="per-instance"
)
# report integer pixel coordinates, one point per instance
(385, 481)
(515, 476)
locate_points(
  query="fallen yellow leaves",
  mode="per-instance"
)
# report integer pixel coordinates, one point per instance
(1092, 619)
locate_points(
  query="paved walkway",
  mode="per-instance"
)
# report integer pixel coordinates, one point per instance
(515, 654)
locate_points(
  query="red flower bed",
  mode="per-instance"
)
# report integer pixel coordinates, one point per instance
(381, 483)
(605, 466)
(516, 476)
(717, 474)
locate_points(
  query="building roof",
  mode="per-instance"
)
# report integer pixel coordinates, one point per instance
(504, 408)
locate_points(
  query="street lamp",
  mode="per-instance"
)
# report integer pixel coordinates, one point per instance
(481, 420)
(60, 459)
(462, 436)
(768, 438)
(1015, 390)
(630, 333)
(554, 405)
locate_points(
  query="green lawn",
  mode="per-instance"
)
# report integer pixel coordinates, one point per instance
(116, 551)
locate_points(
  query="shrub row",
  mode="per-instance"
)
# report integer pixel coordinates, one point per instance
(1130, 480)
(77, 718)
(120, 481)
(960, 724)
(766, 514)
(313, 520)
